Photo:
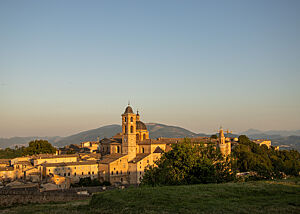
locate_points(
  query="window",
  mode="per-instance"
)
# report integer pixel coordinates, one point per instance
(131, 129)
(65, 174)
(125, 119)
(121, 172)
(131, 119)
(82, 173)
(147, 161)
(140, 173)
(121, 179)
(75, 167)
(75, 173)
(89, 173)
(144, 137)
(118, 149)
(92, 172)
(125, 129)
(69, 174)
(112, 172)
(143, 150)
(117, 172)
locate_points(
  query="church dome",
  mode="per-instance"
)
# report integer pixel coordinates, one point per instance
(128, 110)
(140, 125)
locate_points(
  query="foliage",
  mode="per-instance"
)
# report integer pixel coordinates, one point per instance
(39, 147)
(188, 163)
(267, 163)
(9, 153)
(88, 182)
(214, 136)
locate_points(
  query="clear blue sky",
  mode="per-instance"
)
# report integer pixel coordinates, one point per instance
(68, 66)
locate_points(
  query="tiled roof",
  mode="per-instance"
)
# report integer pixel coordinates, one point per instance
(158, 150)
(69, 164)
(139, 157)
(44, 156)
(111, 158)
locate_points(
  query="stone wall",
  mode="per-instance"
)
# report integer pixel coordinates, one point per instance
(11, 197)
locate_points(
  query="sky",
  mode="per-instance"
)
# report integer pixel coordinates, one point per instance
(69, 66)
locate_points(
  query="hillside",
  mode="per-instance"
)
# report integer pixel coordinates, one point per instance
(280, 196)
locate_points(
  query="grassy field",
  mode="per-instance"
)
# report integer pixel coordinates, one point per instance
(252, 197)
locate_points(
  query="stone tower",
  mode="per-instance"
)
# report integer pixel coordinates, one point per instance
(225, 147)
(221, 136)
(129, 133)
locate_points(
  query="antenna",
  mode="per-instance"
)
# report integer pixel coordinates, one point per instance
(129, 102)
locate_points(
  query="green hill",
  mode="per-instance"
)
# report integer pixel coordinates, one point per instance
(252, 197)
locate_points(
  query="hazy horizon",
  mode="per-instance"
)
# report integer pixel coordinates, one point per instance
(71, 66)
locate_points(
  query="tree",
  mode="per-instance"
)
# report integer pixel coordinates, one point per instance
(214, 136)
(267, 163)
(39, 147)
(188, 163)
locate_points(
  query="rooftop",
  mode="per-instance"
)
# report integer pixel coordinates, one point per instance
(111, 158)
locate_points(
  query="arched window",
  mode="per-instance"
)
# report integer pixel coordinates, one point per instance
(125, 129)
(131, 119)
(137, 137)
(125, 119)
(118, 149)
(131, 129)
(117, 172)
(143, 150)
(112, 172)
(144, 137)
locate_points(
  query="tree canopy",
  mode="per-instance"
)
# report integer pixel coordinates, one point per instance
(188, 163)
(39, 147)
(266, 162)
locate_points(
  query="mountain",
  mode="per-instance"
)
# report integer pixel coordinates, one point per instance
(156, 130)
(283, 133)
(90, 135)
(23, 141)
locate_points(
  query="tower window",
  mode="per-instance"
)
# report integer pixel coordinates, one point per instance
(118, 149)
(144, 137)
(125, 119)
(131, 129)
(143, 150)
(131, 119)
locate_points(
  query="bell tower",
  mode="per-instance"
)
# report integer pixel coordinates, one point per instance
(129, 133)
(225, 147)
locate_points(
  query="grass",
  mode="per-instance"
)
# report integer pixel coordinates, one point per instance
(252, 197)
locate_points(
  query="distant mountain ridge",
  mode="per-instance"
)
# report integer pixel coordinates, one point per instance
(283, 133)
(156, 130)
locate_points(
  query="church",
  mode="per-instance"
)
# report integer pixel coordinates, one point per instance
(126, 155)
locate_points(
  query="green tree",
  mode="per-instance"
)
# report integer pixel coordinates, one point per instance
(214, 136)
(188, 163)
(39, 147)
